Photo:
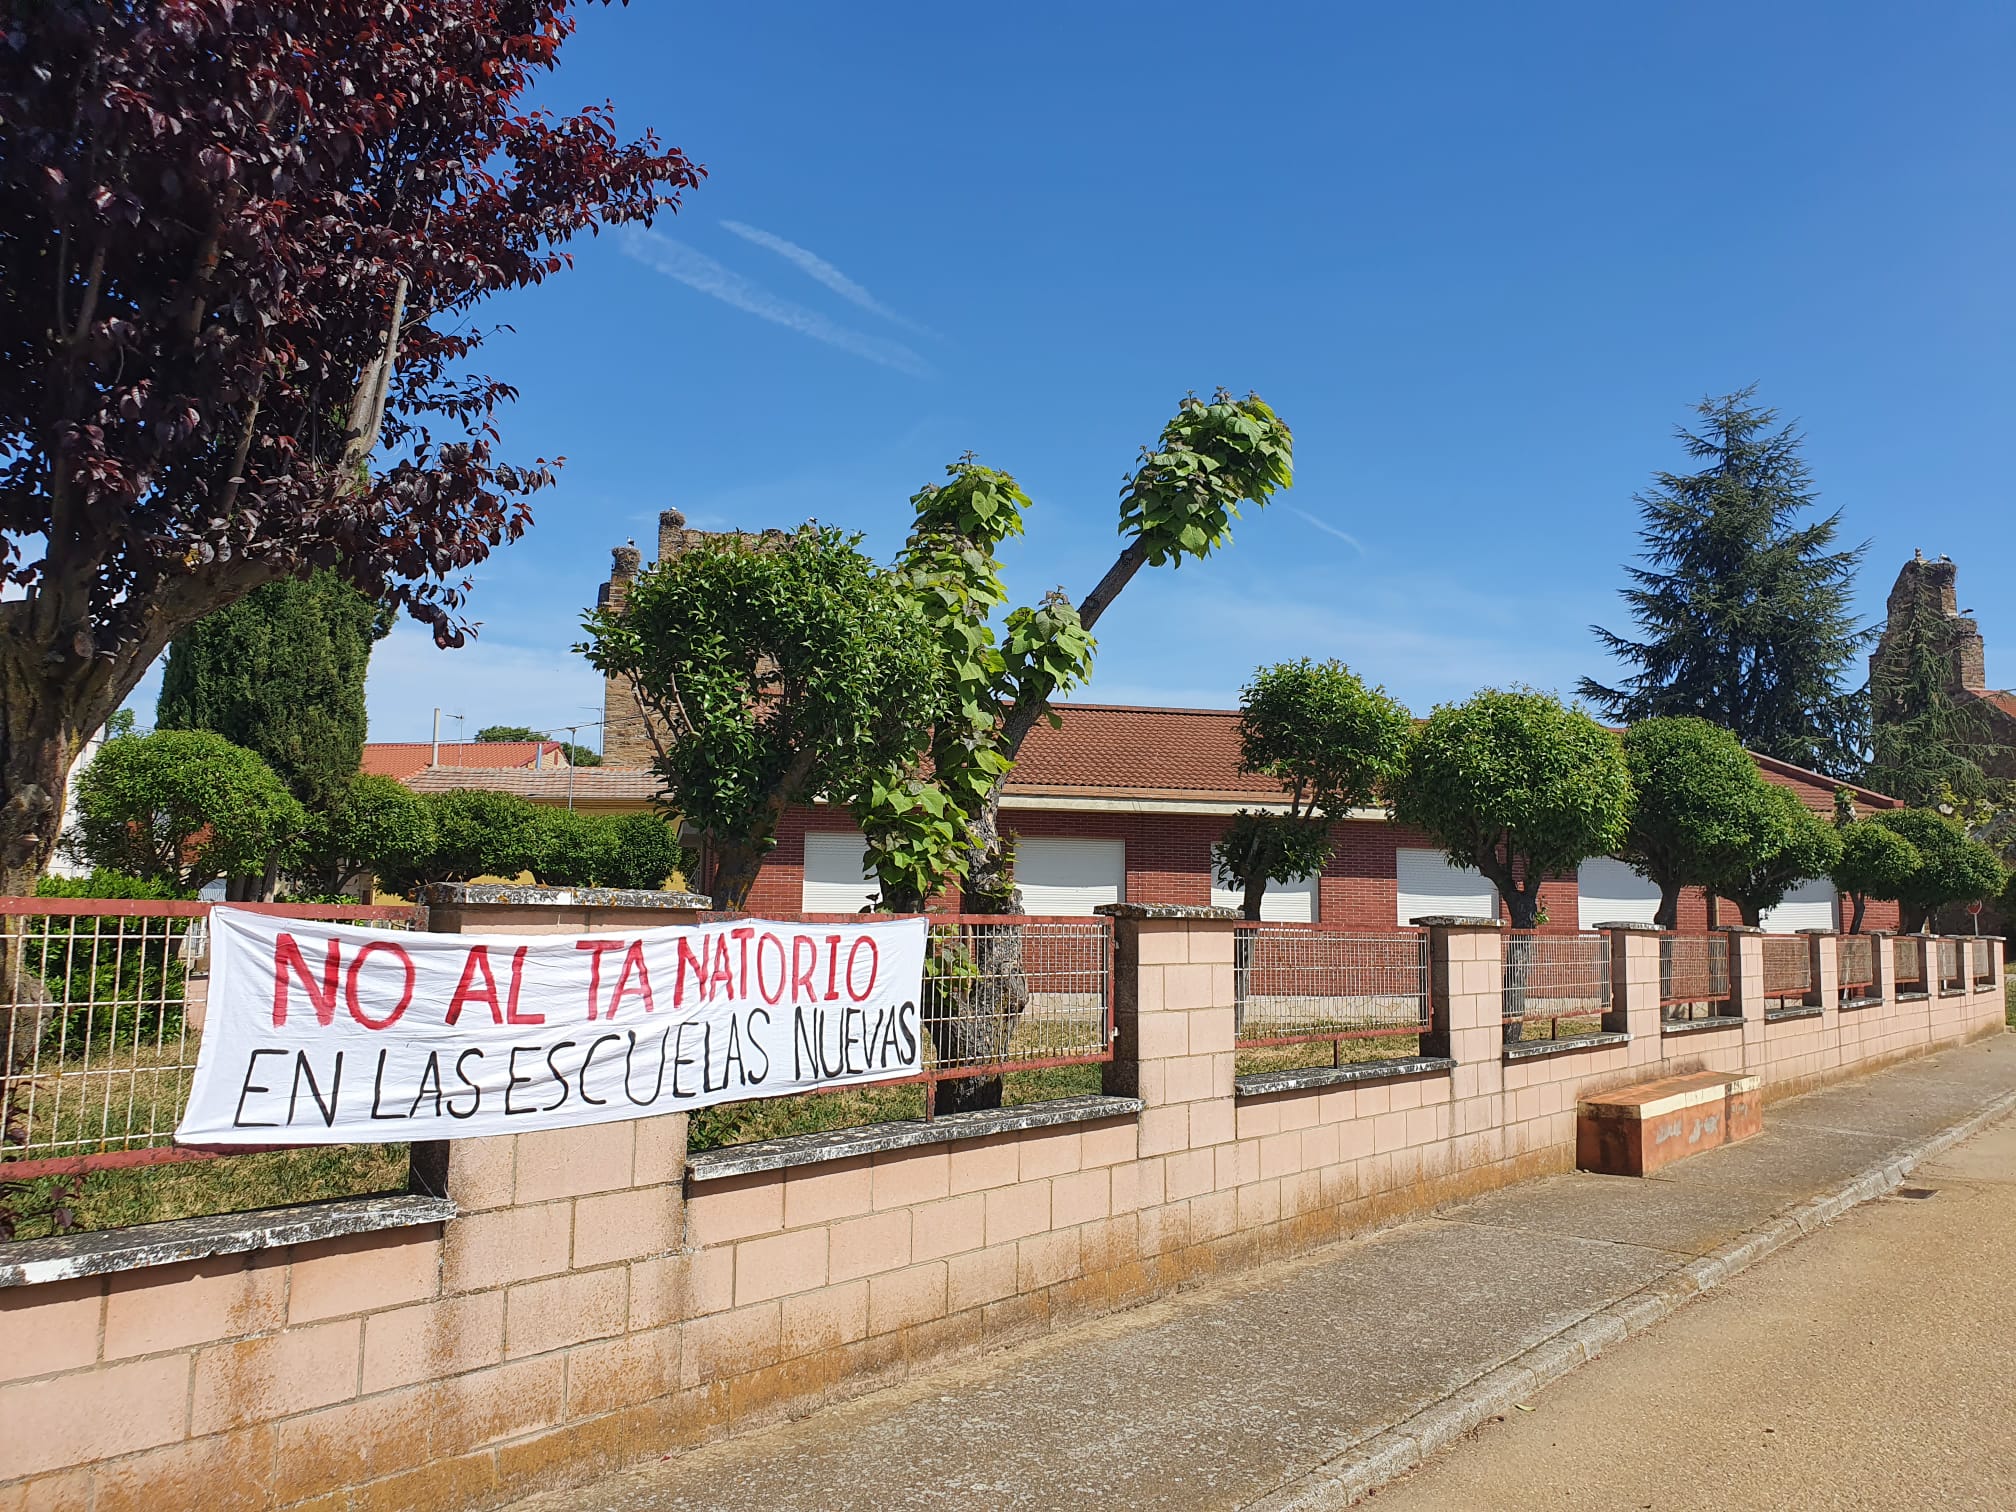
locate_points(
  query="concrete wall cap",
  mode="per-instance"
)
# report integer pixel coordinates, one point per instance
(1167, 911)
(1454, 921)
(1633, 924)
(1756, 929)
(466, 894)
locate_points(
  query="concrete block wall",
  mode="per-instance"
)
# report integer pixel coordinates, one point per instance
(591, 1305)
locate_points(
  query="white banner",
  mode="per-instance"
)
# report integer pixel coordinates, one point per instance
(326, 1034)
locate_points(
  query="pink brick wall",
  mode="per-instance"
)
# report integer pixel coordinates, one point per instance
(585, 1309)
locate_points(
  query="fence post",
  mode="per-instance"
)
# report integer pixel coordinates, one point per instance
(1746, 988)
(1634, 987)
(1172, 1010)
(1466, 995)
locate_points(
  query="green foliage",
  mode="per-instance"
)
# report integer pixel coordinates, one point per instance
(370, 826)
(572, 849)
(1182, 498)
(1744, 607)
(179, 807)
(646, 854)
(1954, 867)
(778, 668)
(1333, 744)
(1794, 845)
(1876, 862)
(481, 834)
(281, 673)
(122, 976)
(1694, 807)
(1518, 785)
(577, 755)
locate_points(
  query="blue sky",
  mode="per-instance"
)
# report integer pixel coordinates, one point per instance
(1481, 258)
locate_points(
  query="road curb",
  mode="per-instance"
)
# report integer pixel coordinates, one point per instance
(1364, 1466)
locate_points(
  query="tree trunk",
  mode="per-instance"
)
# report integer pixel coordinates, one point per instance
(736, 864)
(1668, 916)
(972, 1014)
(1861, 902)
(1753, 916)
(1911, 920)
(1523, 904)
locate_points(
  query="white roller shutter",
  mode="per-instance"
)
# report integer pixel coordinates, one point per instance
(1810, 905)
(1612, 893)
(1069, 878)
(1288, 902)
(836, 873)
(1429, 886)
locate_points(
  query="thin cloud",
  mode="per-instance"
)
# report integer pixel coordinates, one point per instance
(1328, 529)
(816, 268)
(698, 271)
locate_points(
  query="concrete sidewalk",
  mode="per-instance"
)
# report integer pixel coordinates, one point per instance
(1306, 1383)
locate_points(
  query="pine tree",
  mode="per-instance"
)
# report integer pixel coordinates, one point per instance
(281, 672)
(1743, 601)
(1926, 744)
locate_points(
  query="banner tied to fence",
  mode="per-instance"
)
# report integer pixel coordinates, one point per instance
(322, 1033)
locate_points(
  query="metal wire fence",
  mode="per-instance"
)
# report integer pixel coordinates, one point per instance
(101, 1013)
(1952, 961)
(1556, 983)
(1364, 993)
(1982, 954)
(1788, 971)
(1857, 966)
(1908, 954)
(1016, 994)
(1694, 977)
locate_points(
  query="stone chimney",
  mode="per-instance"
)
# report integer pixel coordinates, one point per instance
(626, 738)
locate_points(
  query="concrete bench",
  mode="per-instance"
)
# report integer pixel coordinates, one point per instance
(1635, 1131)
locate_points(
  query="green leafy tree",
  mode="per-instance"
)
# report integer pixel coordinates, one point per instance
(1333, 744)
(371, 826)
(179, 807)
(774, 669)
(578, 755)
(1795, 845)
(281, 672)
(1694, 808)
(1518, 785)
(572, 849)
(647, 853)
(1954, 867)
(1743, 603)
(1876, 862)
(476, 834)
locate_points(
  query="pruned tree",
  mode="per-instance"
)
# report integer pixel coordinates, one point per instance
(1953, 866)
(774, 669)
(1333, 743)
(1694, 808)
(1743, 604)
(1794, 845)
(180, 807)
(1521, 787)
(1518, 785)
(370, 826)
(1876, 862)
(244, 244)
(281, 672)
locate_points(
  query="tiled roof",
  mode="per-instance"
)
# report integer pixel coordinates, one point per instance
(389, 758)
(1111, 747)
(1998, 699)
(1817, 789)
(596, 784)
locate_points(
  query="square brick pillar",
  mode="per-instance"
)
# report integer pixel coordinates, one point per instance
(1825, 948)
(1173, 999)
(1634, 988)
(1746, 988)
(1466, 995)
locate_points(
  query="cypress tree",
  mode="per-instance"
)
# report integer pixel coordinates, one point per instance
(281, 672)
(1743, 599)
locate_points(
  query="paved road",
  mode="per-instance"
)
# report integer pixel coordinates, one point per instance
(1220, 1396)
(1872, 1365)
